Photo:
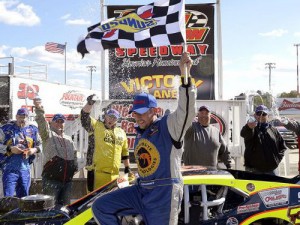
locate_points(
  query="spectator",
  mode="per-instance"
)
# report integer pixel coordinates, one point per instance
(204, 144)
(158, 149)
(60, 160)
(264, 146)
(291, 125)
(19, 142)
(111, 145)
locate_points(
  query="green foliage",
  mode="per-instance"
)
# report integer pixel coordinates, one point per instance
(292, 94)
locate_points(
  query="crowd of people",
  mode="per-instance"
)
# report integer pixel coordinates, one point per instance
(162, 145)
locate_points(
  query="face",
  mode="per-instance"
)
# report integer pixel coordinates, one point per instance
(21, 120)
(58, 126)
(144, 120)
(110, 121)
(261, 117)
(204, 117)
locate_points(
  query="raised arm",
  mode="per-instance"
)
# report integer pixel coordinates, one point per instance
(41, 120)
(181, 119)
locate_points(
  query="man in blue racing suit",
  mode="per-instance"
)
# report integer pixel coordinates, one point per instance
(19, 142)
(157, 194)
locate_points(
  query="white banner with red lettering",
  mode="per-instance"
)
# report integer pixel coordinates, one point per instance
(56, 98)
(288, 106)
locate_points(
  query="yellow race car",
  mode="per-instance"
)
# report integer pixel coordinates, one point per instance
(211, 197)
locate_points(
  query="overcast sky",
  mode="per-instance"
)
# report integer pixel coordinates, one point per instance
(254, 32)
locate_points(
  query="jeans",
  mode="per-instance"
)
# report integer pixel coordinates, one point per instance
(61, 191)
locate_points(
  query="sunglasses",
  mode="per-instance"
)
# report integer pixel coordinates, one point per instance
(59, 121)
(261, 113)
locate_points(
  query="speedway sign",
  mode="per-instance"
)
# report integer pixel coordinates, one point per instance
(155, 69)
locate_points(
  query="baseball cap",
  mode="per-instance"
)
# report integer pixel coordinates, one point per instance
(143, 102)
(204, 107)
(58, 116)
(262, 108)
(23, 112)
(113, 112)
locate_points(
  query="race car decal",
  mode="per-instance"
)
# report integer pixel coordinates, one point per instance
(275, 197)
(250, 187)
(147, 157)
(232, 221)
(294, 214)
(248, 208)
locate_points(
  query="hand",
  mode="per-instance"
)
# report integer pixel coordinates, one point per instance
(90, 168)
(252, 124)
(26, 153)
(37, 102)
(16, 150)
(185, 60)
(30, 151)
(284, 120)
(90, 100)
(127, 169)
(131, 177)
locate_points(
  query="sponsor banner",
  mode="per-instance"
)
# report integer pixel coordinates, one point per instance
(275, 197)
(156, 69)
(56, 98)
(288, 106)
(248, 208)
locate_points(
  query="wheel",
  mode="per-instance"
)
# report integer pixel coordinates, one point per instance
(8, 203)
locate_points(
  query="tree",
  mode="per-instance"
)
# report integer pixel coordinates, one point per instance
(292, 94)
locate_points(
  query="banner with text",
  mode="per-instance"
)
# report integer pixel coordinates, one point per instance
(155, 69)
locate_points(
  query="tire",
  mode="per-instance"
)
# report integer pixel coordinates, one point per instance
(8, 203)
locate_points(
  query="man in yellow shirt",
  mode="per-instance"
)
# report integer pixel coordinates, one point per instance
(111, 144)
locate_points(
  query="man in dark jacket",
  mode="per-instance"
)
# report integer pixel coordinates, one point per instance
(59, 156)
(264, 145)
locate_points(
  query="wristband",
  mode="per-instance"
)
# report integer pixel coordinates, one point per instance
(127, 169)
(189, 84)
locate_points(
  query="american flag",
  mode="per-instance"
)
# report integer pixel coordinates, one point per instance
(55, 47)
(161, 23)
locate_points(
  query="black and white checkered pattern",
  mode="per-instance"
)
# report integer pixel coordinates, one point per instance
(169, 30)
(198, 19)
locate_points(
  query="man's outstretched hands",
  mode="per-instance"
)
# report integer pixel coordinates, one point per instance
(185, 60)
(37, 102)
(90, 99)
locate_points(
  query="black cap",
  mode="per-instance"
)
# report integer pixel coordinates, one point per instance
(204, 107)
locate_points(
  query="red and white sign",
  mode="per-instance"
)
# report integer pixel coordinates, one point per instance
(275, 197)
(56, 98)
(288, 106)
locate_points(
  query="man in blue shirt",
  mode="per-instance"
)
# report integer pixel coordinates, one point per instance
(19, 142)
(158, 150)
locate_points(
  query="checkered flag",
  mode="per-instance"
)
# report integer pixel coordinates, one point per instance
(161, 23)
